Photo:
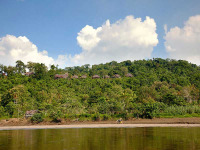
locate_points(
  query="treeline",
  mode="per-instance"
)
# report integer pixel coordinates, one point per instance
(158, 88)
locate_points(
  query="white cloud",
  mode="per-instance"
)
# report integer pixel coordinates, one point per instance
(184, 43)
(87, 37)
(165, 28)
(128, 39)
(62, 61)
(21, 48)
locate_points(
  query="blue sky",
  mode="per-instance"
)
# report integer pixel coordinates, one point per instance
(53, 25)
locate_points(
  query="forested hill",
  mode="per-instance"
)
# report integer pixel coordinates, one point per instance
(154, 88)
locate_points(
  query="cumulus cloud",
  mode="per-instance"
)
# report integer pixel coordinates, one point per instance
(127, 39)
(62, 61)
(184, 43)
(21, 48)
(87, 37)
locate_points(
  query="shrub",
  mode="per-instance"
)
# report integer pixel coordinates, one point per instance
(56, 116)
(105, 117)
(2, 111)
(96, 117)
(85, 115)
(125, 116)
(171, 99)
(37, 118)
(148, 110)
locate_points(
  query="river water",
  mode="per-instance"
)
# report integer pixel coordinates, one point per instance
(153, 138)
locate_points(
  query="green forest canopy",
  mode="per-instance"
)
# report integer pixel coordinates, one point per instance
(158, 87)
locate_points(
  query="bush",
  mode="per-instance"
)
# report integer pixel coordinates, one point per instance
(37, 118)
(56, 116)
(84, 117)
(125, 116)
(96, 117)
(105, 117)
(148, 110)
(171, 99)
(2, 111)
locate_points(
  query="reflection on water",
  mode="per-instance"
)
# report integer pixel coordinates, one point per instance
(102, 139)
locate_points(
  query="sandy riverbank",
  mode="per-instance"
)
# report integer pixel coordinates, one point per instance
(133, 122)
(95, 126)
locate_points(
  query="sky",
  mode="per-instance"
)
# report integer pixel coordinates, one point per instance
(71, 33)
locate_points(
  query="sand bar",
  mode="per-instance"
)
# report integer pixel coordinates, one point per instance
(95, 126)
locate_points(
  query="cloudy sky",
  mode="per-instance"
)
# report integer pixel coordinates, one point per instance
(78, 32)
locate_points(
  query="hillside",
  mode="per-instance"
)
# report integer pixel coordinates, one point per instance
(158, 88)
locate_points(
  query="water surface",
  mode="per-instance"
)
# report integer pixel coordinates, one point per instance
(154, 138)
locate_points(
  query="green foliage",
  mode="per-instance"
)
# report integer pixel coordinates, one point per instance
(171, 99)
(148, 110)
(106, 117)
(37, 118)
(180, 110)
(158, 87)
(56, 116)
(2, 111)
(40, 71)
(20, 66)
(16, 101)
(96, 117)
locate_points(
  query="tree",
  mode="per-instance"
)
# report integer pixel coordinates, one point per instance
(40, 71)
(30, 65)
(52, 71)
(1, 68)
(16, 100)
(9, 70)
(87, 66)
(20, 67)
(124, 70)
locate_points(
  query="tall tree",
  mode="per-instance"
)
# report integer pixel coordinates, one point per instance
(40, 70)
(20, 67)
(30, 65)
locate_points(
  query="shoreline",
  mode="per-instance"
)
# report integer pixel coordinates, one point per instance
(80, 126)
(20, 124)
(27, 122)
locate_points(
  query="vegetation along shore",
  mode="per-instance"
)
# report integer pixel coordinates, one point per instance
(154, 88)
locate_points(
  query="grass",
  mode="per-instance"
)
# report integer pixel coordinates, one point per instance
(180, 112)
(188, 111)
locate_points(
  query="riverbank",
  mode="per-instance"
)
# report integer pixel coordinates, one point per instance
(94, 126)
(25, 122)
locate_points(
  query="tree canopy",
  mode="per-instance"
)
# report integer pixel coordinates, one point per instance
(153, 87)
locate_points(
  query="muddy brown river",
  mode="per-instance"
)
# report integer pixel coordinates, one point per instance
(145, 138)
